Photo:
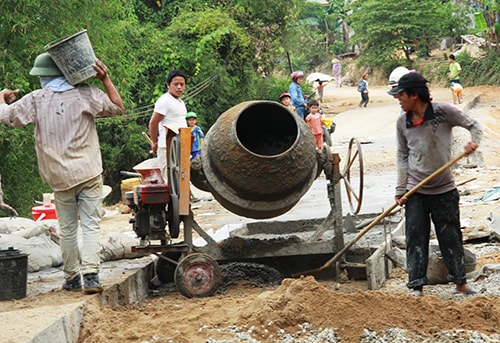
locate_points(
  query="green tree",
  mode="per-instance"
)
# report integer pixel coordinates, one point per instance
(393, 29)
(486, 13)
(25, 28)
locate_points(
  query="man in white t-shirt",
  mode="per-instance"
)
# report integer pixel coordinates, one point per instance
(170, 111)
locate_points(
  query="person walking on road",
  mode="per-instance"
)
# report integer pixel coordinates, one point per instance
(69, 159)
(424, 137)
(363, 89)
(320, 88)
(295, 91)
(454, 74)
(337, 72)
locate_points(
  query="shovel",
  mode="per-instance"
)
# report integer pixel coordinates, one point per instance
(381, 216)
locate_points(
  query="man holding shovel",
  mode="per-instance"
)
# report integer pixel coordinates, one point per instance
(424, 136)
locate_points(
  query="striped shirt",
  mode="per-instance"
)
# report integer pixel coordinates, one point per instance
(67, 144)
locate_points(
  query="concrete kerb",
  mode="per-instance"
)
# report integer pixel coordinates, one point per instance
(125, 282)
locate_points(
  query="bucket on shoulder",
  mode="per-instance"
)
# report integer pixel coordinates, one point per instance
(74, 55)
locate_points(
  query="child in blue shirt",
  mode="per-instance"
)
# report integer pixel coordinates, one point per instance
(196, 134)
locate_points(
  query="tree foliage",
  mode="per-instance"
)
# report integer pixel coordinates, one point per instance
(232, 50)
(393, 29)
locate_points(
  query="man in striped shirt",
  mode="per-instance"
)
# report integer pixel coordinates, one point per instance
(69, 158)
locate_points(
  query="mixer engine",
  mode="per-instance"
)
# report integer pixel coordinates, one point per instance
(149, 202)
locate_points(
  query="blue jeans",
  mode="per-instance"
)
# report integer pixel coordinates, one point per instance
(443, 210)
(80, 206)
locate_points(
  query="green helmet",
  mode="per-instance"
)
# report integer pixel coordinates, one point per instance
(45, 66)
(191, 115)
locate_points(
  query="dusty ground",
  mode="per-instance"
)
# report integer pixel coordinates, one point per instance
(306, 310)
(248, 310)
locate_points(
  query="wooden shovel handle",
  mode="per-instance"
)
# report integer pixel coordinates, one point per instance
(145, 135)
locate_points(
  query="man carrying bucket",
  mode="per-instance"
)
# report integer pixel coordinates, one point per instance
(69, 158)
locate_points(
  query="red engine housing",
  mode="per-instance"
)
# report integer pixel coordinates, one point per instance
(152, 194)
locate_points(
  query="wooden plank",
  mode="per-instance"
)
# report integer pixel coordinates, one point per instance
(185, 170)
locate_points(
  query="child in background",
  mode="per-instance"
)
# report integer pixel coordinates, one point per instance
(320, 89)
(314, 120)
(457, 91)
(363, 89)
(285, 99)
(196, 134)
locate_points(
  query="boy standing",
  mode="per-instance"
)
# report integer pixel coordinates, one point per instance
(196, 134)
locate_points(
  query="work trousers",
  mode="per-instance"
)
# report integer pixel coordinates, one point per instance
(162, 163)
(83, 202)
(364, 99)
(443, 210)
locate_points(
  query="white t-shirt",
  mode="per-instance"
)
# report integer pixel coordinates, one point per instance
(174, 115)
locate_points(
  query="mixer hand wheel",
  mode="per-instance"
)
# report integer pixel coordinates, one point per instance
(353, 176)
(174, 165)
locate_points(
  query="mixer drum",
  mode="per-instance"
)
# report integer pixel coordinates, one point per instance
(259, 159)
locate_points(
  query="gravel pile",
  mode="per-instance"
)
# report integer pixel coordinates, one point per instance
(306, 333)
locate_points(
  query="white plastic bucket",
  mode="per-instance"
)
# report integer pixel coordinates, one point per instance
(74, 55)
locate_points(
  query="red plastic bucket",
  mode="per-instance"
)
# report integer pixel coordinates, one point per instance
(44, 212)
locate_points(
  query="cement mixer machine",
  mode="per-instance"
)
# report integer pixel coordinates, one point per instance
(258, 160)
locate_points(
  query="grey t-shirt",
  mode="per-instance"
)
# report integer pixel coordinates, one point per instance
(423, 149)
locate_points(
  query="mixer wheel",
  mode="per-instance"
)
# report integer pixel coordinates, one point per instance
(197, 275)
(353, 176)
(173, 217)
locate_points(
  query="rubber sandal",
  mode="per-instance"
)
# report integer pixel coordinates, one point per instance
(468, 292)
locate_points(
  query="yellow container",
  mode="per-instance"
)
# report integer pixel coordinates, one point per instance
(127, 185)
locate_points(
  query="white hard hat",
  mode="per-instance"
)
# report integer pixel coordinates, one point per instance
(396, 75)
